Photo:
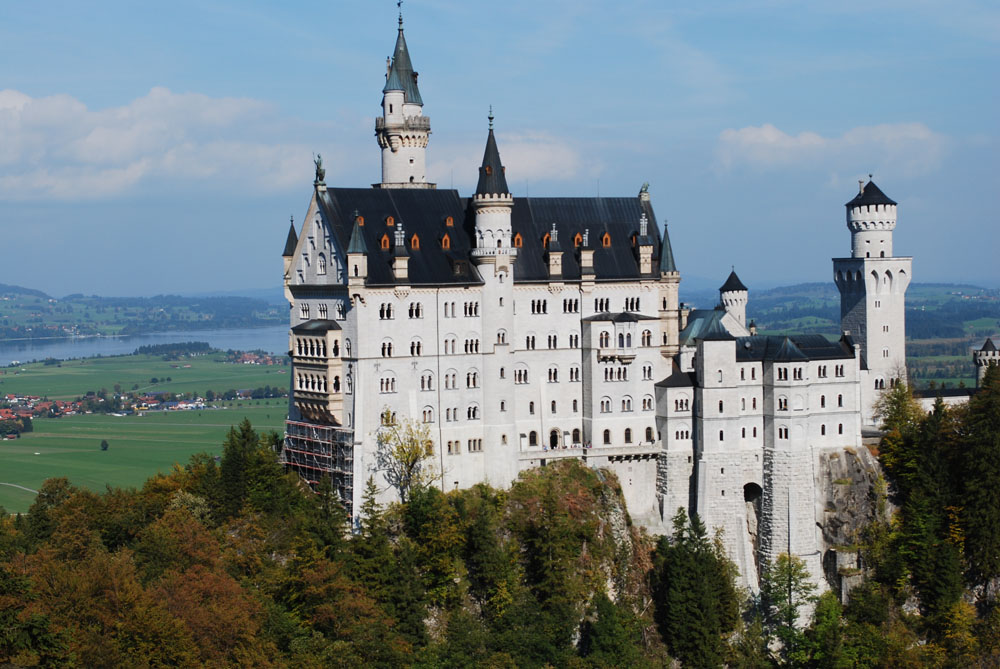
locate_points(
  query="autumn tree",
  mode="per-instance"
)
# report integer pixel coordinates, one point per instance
(403, 451)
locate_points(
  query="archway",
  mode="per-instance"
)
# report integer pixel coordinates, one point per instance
(554, 439)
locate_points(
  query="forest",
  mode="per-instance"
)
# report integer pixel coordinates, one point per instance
(235, 563)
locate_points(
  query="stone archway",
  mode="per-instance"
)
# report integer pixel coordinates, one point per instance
(554, 439)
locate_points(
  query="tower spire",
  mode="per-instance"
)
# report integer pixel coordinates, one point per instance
(492, 179)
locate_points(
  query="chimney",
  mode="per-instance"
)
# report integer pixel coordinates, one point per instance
(586, 254)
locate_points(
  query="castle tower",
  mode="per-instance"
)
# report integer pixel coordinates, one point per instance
(402, 131)
(984, 357)
(286, 256)
(733, 295)
(494, 255)
(872, 284)
(669, 294)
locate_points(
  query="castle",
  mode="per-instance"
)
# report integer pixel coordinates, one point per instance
(524, 330)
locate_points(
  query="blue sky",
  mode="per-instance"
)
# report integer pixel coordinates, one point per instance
(162, 148)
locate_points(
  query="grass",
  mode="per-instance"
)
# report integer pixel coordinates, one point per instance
(140, 446)
(73, 378)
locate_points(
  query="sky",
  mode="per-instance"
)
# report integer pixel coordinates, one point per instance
(153, 148)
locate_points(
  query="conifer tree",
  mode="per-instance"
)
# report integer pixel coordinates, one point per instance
(980, 496)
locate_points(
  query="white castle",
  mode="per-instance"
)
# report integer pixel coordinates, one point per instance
(528, 330)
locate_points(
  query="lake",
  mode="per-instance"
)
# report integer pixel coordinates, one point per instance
(273, 339)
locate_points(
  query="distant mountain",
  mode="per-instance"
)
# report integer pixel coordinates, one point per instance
(9, 290)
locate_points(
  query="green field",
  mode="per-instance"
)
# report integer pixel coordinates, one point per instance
(73, 378)
(140, 446)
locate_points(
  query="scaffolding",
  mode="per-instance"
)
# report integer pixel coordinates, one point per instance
(315, 451)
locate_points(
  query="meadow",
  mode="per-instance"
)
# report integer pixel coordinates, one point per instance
(72, 378)
(139, 446)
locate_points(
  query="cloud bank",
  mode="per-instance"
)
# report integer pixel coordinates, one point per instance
(55, 147)
(912, 149)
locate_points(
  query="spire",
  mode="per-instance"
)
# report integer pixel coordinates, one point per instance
(492, 180)
(357, 243)
(732, 284)
(401, 75)
(292, 240)
(666, 253)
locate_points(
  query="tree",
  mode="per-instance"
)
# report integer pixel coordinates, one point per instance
(104, 444)
(612, 638)
(980, 494)
(403, 449)
(786, 590)
(694, 592)
(236, 452)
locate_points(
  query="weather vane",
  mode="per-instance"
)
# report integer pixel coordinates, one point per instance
(491, 117)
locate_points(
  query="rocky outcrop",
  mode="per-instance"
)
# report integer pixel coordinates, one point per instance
(847, 483)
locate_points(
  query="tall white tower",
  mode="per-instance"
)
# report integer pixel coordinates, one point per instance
(402, 130)
(872, 284)
(734, 296)
(494, 255)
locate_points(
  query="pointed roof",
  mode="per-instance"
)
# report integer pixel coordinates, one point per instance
(666, 253)
(789, 352)
(401, 75)
(988, 346)
(733, 284)
(492, 180)
(870, 194)
(357, 243)
(291, 241)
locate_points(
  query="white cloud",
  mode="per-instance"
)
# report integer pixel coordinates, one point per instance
(57, 147)
(528, 156)
(911, 148)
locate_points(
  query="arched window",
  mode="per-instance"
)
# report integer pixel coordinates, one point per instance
(649, 434)
(607, 436)
(415, 242)
(450, 222)
(576, 432)
(321, 264)
(554, 439)
(518, 241)
(446, 241)
(384, 242)
(606, 241)
(390, 221)
(532, 438)
(628, 435)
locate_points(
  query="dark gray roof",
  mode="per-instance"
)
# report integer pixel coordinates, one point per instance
(620, 317)
(316, 326)
(291, 241)
(492, 180)
(870, 194)
(988, 346)
(732, 284)
(678, 379)
(401, 75)
(357, 243)
(777, 348)
(666, 253)
(424, 212)
(701, 322)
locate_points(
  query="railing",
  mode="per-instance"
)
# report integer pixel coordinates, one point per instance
(409, 123)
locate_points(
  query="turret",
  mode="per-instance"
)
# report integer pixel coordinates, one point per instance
(291, 241)
(402, 131)
(671, 316)
(733, 295)
(984, 357)
(871, 218)
(357, 253)
(493, 204)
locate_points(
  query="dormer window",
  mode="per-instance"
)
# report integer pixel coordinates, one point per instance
(415, 242)
(384, 243)
(577, 240)
(445, 241)
(545, 240)
(518, 241)
(390, 221)
(450, 222)
(606, 241)
(489, 170)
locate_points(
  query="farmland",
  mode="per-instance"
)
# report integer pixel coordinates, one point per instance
(139, 446)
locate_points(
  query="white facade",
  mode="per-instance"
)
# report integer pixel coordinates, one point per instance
(518, 344)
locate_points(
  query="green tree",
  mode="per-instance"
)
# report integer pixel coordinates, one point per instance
(696, 601)
(980, 494)
(104, 444)
(785, 590)
(611, 637)
(237, 450)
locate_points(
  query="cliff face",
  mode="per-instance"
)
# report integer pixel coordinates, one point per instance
(847, 483)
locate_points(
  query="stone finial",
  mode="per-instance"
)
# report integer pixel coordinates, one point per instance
(586, 237)
(553, 234)
(643, 225)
